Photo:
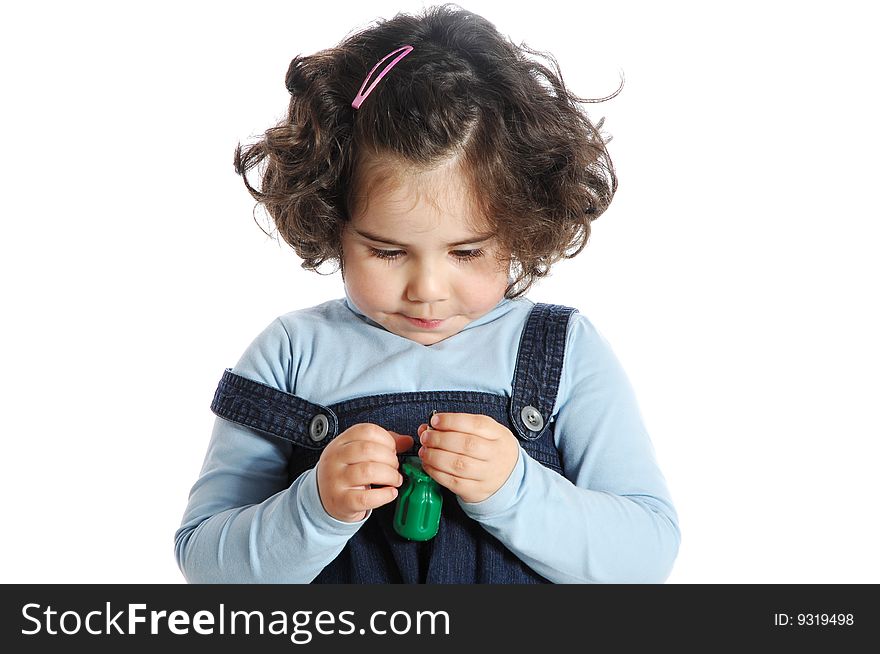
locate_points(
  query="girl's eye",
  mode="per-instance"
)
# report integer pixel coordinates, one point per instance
(386, 254)
(466, 255)
(461, 255)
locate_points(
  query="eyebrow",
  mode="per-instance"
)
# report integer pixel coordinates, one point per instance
(476, 238)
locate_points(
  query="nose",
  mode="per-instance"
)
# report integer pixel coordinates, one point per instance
(427, 283)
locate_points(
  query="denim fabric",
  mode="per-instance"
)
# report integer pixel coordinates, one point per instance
(462, 552)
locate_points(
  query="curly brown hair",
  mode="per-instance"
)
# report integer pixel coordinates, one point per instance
(541, 166)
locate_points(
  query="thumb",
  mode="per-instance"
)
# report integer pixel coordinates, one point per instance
(402, 443)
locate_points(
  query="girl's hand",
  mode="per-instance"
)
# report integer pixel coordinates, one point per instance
(471, 455)
(361, 457)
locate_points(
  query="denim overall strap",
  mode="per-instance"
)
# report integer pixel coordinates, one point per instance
(273, 411)
(538, 369)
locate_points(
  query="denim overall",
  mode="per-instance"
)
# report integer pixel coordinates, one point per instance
(462, 552)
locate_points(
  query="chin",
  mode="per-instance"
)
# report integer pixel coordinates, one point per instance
(428, 339)
(423, 338)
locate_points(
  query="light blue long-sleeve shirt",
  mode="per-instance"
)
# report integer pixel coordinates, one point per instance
(610, 519)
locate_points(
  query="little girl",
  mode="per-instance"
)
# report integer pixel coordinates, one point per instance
(445, 170)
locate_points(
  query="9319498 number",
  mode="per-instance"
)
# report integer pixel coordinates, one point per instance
(813, 619)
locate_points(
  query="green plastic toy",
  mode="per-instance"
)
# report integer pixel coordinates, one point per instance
(417, 514)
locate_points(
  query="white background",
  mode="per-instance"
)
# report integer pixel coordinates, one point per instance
(735, 273)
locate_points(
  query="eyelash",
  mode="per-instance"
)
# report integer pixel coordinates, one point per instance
(461, 255)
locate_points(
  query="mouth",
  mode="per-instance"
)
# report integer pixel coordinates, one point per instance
(423, 324)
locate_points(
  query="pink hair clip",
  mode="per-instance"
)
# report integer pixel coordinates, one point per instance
(361, 94)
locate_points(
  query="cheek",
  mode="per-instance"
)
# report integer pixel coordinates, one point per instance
(366, 285)
(485, 288)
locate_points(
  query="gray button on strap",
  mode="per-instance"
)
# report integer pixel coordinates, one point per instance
(532, 418)
(319, 427)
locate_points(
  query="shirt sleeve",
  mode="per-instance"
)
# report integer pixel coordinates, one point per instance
(244, 521)
(610, 519)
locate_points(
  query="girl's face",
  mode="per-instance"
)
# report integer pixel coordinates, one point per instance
(417, 260)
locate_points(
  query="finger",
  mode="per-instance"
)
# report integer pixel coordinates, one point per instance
(402, 442)
(369, 432)
(471, 445)
(361, 451)
(468, 423)
(371, 473)
(451, 463)
(373, 498)
(457, 485)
